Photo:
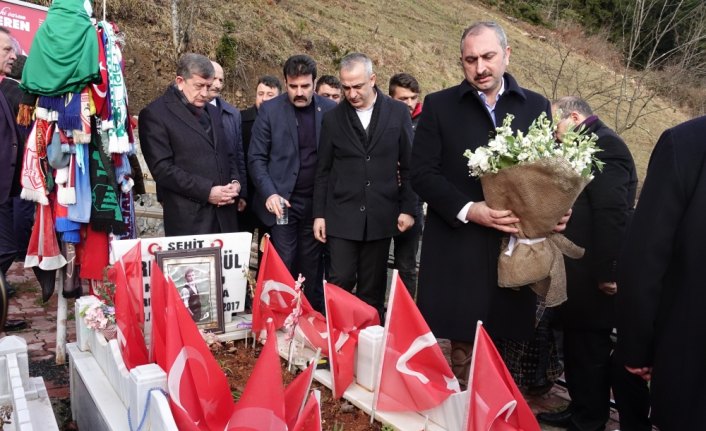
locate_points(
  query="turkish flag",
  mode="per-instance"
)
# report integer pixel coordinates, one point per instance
(295, 394)
(199, 394)
(276, 296)
(346, 316)
(130, 338)
(274, 292)
(313, 328)
(495, 403)
(261, 406)
(310, 419)
(132, 264)
(414, 374)
(158, 317)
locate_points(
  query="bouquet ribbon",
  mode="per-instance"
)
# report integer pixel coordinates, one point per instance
(515, 241)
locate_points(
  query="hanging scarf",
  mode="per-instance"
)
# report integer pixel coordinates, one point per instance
(106, 215)
(43, 249)
(68, 230)
(81, 211)
(82, 135)
(99, 90)
(70, 116)
(33, 180)
(127, 206)
(123, 172)
(118, 138)
(64, 51)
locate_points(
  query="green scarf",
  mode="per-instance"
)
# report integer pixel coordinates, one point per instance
(64, 56)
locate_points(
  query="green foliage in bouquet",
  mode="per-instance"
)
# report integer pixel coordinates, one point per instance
(507, 149)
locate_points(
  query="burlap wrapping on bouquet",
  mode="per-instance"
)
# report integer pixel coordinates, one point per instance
(539, 194)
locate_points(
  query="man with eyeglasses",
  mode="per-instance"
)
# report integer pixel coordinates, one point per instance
(182, 139)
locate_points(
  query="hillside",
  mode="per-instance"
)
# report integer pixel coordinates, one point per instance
(416, 36)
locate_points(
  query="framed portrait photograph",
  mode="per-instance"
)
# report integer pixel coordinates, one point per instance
(197, 276)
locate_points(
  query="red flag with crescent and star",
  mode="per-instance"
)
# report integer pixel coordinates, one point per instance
(262, 405)
(130, 338)
(495, 402)
(276, 297)
(199, 393)
(346, 315)
(414, 374)
(310, 419)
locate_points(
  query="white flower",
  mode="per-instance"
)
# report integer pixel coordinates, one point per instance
(507, 148)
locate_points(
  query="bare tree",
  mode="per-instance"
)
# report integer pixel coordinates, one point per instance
(646, 69)
(182, 12)
(647, 26)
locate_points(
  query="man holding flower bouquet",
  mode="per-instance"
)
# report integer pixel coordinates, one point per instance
(458, 277)
(599, 219)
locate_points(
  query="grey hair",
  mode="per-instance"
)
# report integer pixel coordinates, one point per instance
(195, 64)
(350, 60)
(475, 29)
(566, 105)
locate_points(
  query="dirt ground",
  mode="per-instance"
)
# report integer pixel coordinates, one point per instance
(237, 361)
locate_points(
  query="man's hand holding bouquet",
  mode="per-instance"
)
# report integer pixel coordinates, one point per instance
(538, 178)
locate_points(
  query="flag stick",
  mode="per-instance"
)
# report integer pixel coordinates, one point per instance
(470, 375)
(315, 361)
(390, 304)
(331, 345)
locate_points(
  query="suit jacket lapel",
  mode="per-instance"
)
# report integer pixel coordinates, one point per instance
(292, 124)
(344, 120)
(319, 119)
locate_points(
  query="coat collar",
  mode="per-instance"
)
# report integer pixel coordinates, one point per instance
(384, 113)
(176, 106)
(511, 87)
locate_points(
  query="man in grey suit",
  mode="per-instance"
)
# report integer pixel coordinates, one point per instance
(282, 162)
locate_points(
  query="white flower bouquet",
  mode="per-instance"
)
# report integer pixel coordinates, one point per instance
(538, 178)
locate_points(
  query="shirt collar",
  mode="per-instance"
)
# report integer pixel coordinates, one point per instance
(483, 97)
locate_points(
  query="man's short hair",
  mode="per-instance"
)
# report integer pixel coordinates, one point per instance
(4, 30)
(329, 80)
(299, 65)
(17, 67)
(404, 80)
(567, 105)
(191, 64)
(475, 28)
(270, 81)
(354, 58)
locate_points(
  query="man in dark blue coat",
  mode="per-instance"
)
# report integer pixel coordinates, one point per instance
(661, 291)
(461, 243)
(230, 115)
(598, 222)
(282, 162)
(184, 145)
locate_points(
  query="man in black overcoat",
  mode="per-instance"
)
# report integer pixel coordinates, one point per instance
(183, 141)
(268, 87)
(359, 203)
(661, 290)
(598, 222)
(461, 243)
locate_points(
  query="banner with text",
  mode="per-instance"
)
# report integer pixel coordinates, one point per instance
(22, 19)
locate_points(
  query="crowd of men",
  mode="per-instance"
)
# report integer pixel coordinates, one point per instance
(351, 167)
